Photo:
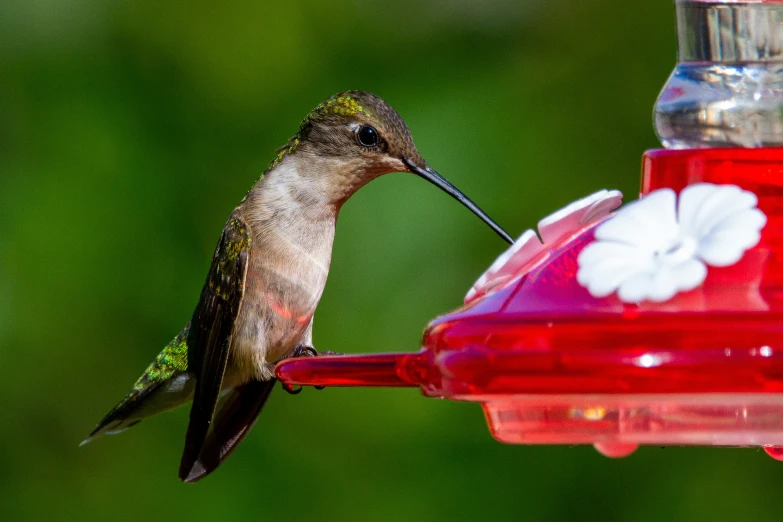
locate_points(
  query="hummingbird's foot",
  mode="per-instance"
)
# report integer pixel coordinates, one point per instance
(303, 350)
(290, 388)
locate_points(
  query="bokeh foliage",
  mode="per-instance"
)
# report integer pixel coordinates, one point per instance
(130, 129)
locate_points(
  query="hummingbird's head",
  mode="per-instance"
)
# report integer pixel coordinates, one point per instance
(356, 136)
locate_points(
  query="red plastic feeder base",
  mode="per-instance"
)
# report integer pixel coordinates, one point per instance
(552, 364)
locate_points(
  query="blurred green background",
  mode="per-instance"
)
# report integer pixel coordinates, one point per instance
(128, 132)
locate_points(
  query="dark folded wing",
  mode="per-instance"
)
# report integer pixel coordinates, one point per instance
(211, 330)
(238, 411)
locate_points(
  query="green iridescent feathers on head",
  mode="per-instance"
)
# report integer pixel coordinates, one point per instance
(342, 104)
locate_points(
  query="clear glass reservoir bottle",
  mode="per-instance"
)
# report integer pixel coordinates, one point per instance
(727, 88)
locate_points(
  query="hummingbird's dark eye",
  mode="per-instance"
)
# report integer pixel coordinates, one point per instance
(367, 136)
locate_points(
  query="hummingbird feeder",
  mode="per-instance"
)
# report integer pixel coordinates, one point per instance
(660, 323)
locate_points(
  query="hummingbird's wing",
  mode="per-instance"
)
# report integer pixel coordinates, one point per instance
(211, 330)
(237, 413)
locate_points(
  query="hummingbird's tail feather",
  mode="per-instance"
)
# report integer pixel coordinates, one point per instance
(166, 384)
(237, 412)
(137, 406)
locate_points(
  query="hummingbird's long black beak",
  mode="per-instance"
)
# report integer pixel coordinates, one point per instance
(441, 182)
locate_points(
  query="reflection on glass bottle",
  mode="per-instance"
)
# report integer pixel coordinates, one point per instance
(727, 88)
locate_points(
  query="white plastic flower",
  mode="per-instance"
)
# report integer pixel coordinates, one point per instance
(657, 246)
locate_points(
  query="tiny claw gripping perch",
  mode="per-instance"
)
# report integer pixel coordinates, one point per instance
(289, 388)
(300, 351)
(303, 350)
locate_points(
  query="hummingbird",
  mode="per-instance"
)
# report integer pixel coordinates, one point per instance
(267, 275)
